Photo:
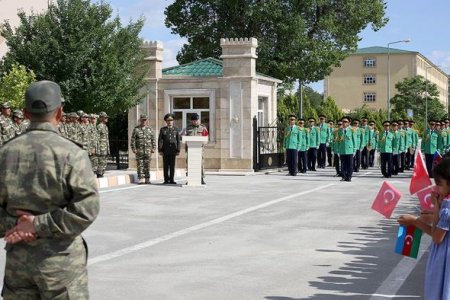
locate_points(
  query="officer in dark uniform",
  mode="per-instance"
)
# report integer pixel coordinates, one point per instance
(169, 147)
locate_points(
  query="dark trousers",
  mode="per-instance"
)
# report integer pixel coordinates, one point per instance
(169, 167)
(302, 161)
(312, 158)
(371, 157)
(357, 161)
(409, 160)
(347, 166)
(329, 156)
(365, 158)
(395, 164)
(291, 160)
(429, 164)
(402, 157)
(322, 155)
(386, 164)
(337, 164)
(413, 159)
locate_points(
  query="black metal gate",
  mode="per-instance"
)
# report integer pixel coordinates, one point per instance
(268, 149)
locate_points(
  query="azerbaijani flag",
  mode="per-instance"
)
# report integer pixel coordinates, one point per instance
(408, 241)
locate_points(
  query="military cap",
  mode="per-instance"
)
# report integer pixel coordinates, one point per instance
(80, 112)
(42, 97)
(169, 115)
(386, 123)
(322, 116)
(394, 123)
(195, 117)
(311, 119)
(74, 115)
(103, 114)
(143, 117)
(18, 113)
(84, 115)
(6, 105)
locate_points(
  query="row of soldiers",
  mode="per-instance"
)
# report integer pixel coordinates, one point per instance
(349, 145)
(11, 124)
(83, 129)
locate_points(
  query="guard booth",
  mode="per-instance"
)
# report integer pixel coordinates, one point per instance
(268, 146)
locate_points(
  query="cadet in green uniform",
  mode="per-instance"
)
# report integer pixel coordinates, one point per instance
(442, 140)
(169, 148)
(103, 144)
(302, 146)
(314, 139)
(415, 142)
(395, 148)
(402, 146)
(429, 145)
(357, 132)
(347, 149)
(46, 202)
(385, 140)
(143, 145)
(290, 145)
(336, 147)
(329, 142)
(365, 140)
(372, 142)
(408, 144)
(197, 129)
(324, 137)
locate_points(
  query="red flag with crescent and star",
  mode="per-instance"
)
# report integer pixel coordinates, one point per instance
(425, 197)
(386, 200)
(420, 178)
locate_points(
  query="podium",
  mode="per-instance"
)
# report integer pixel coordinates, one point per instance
(194, 162)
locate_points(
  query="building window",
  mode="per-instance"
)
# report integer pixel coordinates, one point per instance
(370, 97)
(369, 79)
(370, 62)
(185, 107)
(262, 111)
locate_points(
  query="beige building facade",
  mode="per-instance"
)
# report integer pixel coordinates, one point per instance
(226, 93)
(363, 77)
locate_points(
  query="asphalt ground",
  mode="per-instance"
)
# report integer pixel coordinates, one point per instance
(262, 236)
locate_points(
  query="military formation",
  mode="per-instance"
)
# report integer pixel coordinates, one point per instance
(351, 145)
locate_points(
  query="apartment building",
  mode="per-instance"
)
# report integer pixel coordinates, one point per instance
(363, 77)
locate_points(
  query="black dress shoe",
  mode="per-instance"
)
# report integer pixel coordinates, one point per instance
(203, 182)
(172, 182)
(165, 182)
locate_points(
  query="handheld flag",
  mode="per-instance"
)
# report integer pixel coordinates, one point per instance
(437, 157)
(205, 132)
(420, 179)
(408, 241)
(425, 198)
(386, 200)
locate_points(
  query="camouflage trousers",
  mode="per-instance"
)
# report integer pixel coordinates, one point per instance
(102, 161)
(143, 165)
(46, 269)
(94, 162)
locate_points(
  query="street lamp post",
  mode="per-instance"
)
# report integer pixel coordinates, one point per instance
(389, 75)
(426, 95)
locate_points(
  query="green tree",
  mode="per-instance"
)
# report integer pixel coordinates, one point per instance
(412, 95)
(315, 98)
(85, 49)
(297, 40)
(330, 109)
(13, 85)
(287, 105)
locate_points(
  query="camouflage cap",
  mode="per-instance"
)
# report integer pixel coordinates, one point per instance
(74, 115)
(42, 97)
(143, 117)
(6, 105)
(103, 114)
(80, 112)
(18, 113)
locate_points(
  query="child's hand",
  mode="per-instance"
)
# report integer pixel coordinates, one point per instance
(406, 220)
(436, 199)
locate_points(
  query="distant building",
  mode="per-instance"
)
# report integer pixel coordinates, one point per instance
(9, 10)
(226, 93)
(362, 77)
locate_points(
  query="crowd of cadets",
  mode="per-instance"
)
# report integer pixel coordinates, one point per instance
(350, 145)
(78, 126)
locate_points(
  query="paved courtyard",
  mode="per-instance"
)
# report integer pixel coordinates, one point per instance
(264, 236)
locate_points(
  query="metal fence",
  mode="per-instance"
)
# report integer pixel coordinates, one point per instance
(118, 158)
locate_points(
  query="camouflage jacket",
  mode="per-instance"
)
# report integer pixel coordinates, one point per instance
(199, 130)
(142, 140)
(7, 131)
(93, 138)
(20, 128)
(103, 139)
(57, 186)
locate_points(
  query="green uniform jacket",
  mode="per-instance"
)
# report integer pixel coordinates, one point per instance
(365, 136)
(324, 133)
(442, 141)
(448, 136)
(291, 137)
(314, 137)
(430, 141)
(335, 145)
(385, 141)
(303, 140)
(371, 135)
(357, 137)
(415, 138)
(402, 142)
(346, 141)
(408, 138)
(396, 142)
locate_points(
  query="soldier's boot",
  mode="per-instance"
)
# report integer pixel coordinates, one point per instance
(147, 180)
(203, 181)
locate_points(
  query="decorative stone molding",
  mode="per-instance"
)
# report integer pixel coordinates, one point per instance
(239, 42)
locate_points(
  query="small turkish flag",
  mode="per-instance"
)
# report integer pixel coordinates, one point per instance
(420, 178)
(205, 132)
(425, 197)
(386, 200)
(437, 157)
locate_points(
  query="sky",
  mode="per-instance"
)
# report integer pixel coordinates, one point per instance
(424, 22)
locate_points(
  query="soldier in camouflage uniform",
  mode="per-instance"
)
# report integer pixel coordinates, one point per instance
(18, 124)
(93, 137)
(143, 145)
(7, 131)
(42, 220)
(197, 129)
(84, 131)
(62, 125)
(103, 144)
